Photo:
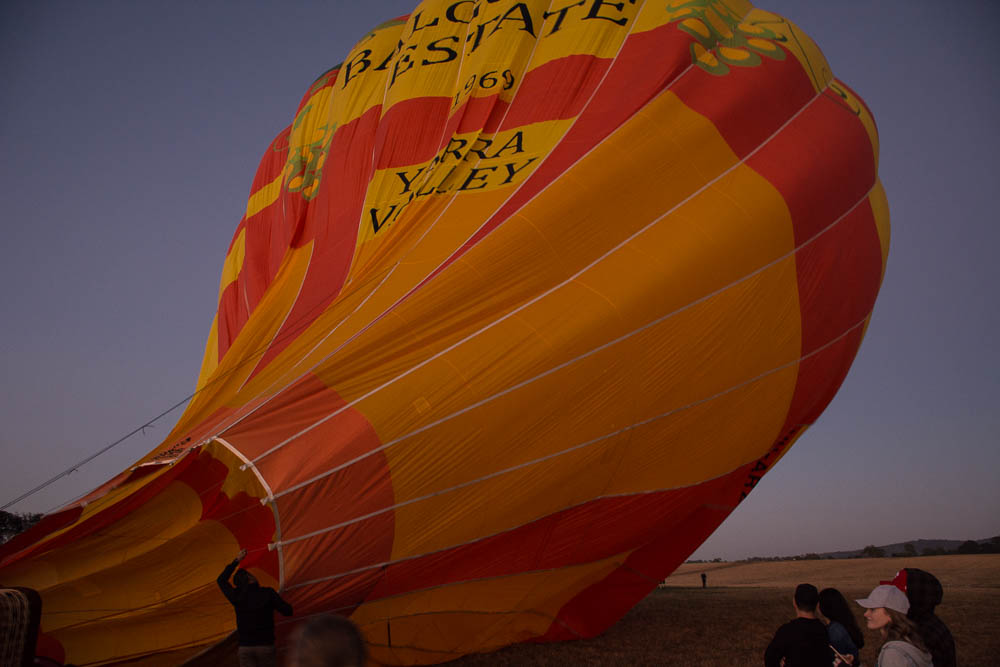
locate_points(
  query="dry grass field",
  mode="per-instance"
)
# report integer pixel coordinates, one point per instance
(731, 622)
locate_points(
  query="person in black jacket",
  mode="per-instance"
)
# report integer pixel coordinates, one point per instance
(255, 606)
(801, 642)
(924, 592)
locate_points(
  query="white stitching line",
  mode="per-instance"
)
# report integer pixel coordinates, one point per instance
(377, 287)
(390, 272)
(383, 564)
(267, 348)
(264, 351)
(489, 326)
(452, 199)
(246, 300)
(495, 577)
(454, 196)
(267, 391)
(801, 427)
(587, 443)
(381, 112)
(426, 172)
(274, 394)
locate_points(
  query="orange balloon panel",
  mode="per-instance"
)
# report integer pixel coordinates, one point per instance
(524, 303)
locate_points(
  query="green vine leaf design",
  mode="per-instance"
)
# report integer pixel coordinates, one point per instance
(306, 161)
(846, 99)
(722, 41)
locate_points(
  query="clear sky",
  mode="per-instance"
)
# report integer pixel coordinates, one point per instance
(130, 133)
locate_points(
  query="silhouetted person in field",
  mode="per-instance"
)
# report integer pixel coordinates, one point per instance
(327, 641)
(704, 580)
(924, 593)
(255, 606)
(801, 642)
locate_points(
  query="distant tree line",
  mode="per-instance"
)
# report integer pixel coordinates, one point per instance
(990, 546)
(768, 559)
(13, 523)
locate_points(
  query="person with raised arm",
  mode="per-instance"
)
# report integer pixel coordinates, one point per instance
(255, 606)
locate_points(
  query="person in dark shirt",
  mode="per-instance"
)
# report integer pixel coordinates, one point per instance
(255, 606)
(801, 642)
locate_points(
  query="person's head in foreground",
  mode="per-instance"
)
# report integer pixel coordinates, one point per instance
(806, 598)
(886, 608)
(327, 641)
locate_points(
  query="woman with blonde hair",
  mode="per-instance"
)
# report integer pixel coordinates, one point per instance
(886, 612)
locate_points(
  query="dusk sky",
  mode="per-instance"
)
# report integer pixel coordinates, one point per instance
(130, 133)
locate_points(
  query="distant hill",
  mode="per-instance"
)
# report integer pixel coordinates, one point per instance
(920, 547)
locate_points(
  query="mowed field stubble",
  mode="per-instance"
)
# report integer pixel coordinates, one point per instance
(731, 622)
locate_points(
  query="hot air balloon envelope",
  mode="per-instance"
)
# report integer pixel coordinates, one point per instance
(525, 301)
